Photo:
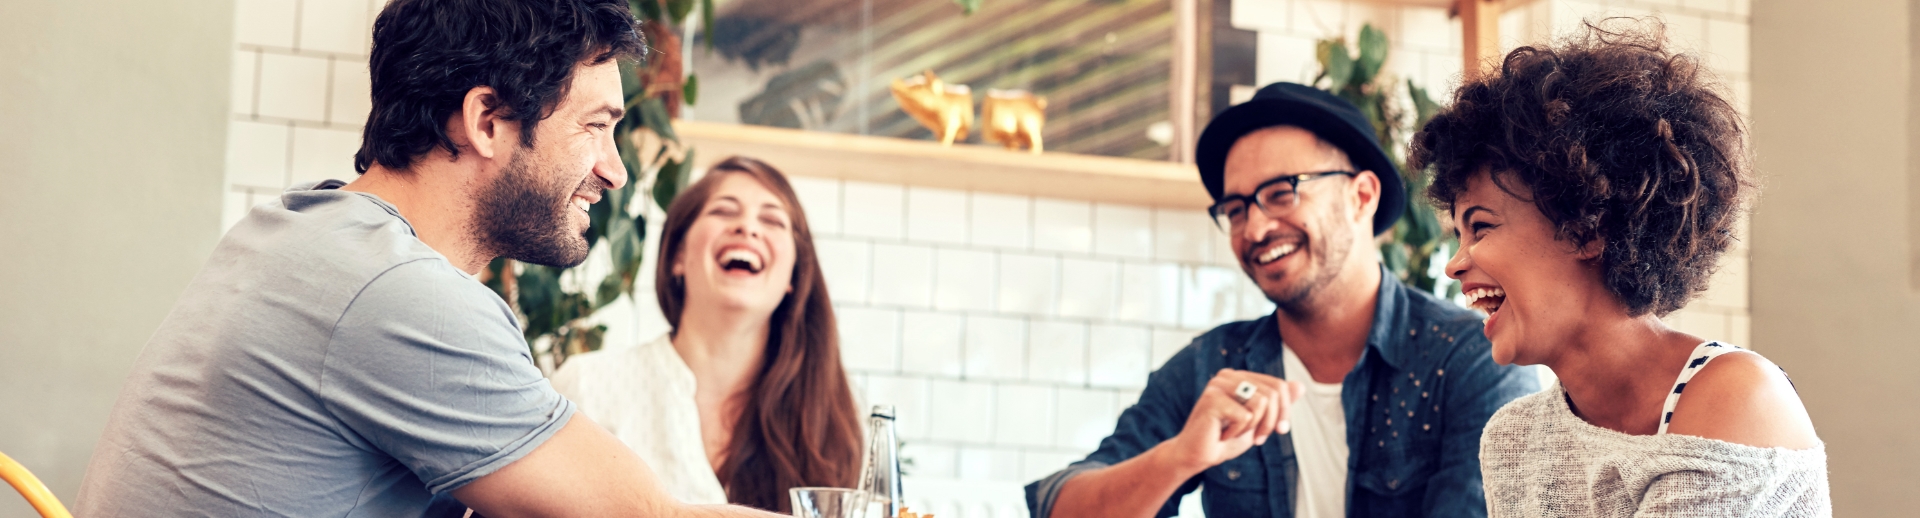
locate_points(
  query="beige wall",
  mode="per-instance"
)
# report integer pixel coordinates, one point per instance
(1831, 299)
(112, 136)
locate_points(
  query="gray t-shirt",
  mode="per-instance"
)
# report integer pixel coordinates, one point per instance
(325, 362)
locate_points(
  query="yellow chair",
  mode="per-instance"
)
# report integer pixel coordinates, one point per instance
(29, 486)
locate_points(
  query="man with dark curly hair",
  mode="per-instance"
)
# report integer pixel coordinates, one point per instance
(1594, 185)
(1359, 396)
(336, 357)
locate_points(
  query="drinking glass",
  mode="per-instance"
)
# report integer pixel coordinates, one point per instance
(828, 502)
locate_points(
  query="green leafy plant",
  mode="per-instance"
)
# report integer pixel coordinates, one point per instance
(1417, 240)
(803, 98)
(555, 304)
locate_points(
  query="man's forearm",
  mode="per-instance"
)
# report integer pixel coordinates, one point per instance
(1137, 487)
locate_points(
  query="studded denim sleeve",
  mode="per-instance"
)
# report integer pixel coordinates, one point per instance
(1475, 388)
(1159, 415)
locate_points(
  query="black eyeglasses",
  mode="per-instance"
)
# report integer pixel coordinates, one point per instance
(1276, 198)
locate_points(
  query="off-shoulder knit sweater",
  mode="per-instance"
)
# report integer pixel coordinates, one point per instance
(1539, 459)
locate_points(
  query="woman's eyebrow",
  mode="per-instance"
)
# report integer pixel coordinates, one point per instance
(1472, 210)
(1468, 215)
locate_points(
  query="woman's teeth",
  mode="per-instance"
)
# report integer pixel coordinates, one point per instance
(1275, 253)
(1486, 299)
(740, 259)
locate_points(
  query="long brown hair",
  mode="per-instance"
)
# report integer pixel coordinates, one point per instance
(799, 427)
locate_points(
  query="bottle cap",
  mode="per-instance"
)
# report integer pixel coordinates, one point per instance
(885, 411)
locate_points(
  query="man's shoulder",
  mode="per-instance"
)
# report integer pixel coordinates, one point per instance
(1432, 322)
(1222, 336)
(1436, 311)
(1438, 335)
(333, 228)
(428, 290)
(1237, 331)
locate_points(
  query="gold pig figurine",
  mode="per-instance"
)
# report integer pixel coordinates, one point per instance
(1013, 118)
(946, 109)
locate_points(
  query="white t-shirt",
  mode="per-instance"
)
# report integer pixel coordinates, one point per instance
(1319, 430)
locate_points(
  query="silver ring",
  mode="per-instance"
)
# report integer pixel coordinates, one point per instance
(1244, 392)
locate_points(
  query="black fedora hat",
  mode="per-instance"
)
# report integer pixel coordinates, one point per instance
(1328, 116)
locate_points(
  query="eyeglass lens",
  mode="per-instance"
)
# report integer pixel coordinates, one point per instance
(1275, 200)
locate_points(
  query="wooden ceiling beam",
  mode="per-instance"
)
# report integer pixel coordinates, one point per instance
(1480, 35)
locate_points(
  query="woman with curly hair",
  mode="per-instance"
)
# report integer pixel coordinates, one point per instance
(1594, 184)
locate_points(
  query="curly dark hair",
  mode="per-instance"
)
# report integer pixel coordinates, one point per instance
(1615, 138)
(428, 53)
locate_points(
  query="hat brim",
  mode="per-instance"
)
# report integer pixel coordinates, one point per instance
(1210, 154)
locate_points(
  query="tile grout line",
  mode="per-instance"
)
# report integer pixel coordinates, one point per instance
(299, 8)
(326, 104)
(287, 174)
(259, 60)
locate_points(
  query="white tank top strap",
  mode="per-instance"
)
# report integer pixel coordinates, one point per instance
(1702, 354)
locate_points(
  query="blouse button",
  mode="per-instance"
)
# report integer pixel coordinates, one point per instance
(1233, 474)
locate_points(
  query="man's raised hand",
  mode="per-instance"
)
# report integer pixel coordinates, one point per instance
(1222, 426)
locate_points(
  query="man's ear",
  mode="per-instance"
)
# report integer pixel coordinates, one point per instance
(480, 125)
(1367, 197)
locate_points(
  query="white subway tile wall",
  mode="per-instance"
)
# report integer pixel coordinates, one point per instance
(902, 275)
(1009, 331)
(873, 210)
(964, 280)
(299, 95)
(1059, 352)
(931, 344)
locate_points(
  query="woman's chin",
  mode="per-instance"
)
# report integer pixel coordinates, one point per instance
(734, 302)
(1502, 353)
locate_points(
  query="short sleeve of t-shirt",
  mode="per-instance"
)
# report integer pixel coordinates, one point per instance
(428, 366)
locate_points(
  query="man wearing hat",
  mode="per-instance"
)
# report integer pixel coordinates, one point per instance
(1358, 396)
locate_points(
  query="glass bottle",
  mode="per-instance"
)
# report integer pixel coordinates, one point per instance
(880, 478)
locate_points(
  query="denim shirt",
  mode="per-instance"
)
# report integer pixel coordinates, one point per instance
(1415, 404)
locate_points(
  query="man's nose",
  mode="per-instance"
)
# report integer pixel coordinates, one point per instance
(1257, 224)
(609, 167)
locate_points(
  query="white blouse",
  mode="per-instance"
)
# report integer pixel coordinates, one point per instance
(644, 395)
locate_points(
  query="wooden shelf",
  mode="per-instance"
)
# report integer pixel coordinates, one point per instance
(963, 166)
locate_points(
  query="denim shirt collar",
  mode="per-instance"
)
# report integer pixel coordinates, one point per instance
(1262, 348)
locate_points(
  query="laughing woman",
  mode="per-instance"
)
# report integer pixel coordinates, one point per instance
(746, 397)
(1594, 185)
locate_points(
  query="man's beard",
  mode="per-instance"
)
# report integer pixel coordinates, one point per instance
(520, 218)
(1327, 255)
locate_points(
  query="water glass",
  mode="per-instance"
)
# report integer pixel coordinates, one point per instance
(828, 502)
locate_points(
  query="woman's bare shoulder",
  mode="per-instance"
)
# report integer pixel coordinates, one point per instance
(1742, 398)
